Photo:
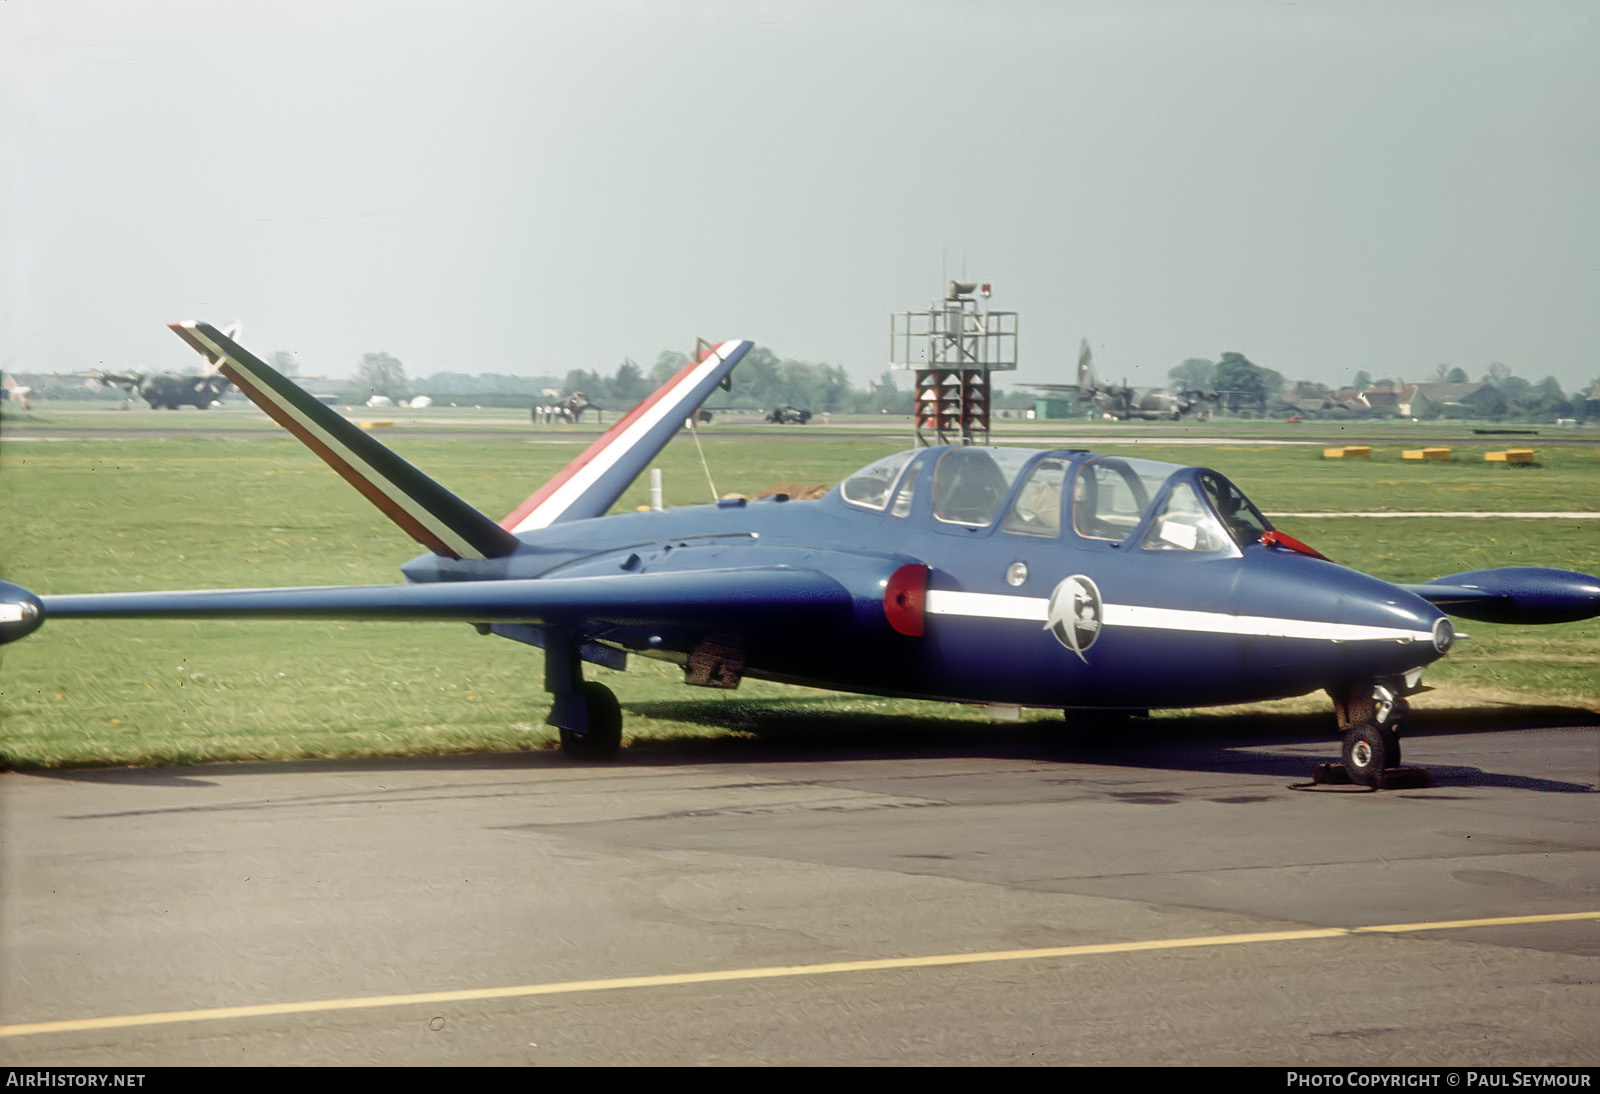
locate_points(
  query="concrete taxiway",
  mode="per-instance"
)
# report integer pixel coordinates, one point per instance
(983, 896)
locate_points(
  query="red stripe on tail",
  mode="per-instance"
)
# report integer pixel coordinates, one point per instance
(599, 446)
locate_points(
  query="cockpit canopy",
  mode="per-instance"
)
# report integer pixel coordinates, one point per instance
(1111, 497)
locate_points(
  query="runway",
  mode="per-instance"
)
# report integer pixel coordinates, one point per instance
(986, 896)
(243, 422)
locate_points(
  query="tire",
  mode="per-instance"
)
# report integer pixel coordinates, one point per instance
(604, 737)
(1368, 751)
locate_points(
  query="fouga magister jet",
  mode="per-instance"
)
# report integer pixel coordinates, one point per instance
(1057, 579)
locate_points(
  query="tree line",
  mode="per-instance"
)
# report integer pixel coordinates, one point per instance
(764, 381)
(1251, 388)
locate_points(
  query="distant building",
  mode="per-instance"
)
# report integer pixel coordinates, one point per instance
(1463, 400)
(1433, 400)
(1305, 398)
(1389, 399)
(1348, 398)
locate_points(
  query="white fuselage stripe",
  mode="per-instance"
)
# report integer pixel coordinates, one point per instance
(988, 605)
(586, 476)
(1264, 626)
(1035, 610)
(433, 524)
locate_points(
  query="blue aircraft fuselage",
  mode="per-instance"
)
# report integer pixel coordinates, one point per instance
(1058, 613)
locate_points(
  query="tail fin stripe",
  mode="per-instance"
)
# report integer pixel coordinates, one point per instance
(572, 494)
(368, 489)
(426, 511)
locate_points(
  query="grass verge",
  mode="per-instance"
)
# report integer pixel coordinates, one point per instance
(200, 512)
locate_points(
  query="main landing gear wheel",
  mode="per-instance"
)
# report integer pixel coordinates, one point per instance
(603, 738)
(1368, 751)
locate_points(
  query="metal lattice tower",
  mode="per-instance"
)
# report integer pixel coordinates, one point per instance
(952, 348)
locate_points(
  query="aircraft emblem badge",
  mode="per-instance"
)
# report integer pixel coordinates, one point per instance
(1074, 614)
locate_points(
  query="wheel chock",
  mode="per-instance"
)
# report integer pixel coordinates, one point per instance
(1404, 778)
(1335, 778)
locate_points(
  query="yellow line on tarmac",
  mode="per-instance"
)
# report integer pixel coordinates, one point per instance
(1449, 924)
(262, 1010)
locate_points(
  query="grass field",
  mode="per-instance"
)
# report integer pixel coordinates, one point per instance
(196, 511)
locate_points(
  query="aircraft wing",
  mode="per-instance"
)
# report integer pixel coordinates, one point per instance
(710, 597)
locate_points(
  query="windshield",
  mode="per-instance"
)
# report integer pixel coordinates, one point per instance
(1184, 524)
(1204, 512)
(1243, 520)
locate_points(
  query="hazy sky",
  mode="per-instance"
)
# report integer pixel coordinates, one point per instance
(525, 187)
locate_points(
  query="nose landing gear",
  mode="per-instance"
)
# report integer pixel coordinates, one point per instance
(1369, 750)
(1370, 714)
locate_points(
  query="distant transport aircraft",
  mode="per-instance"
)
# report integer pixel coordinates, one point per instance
(1060, 579)
(169, 390)
(166, 390)
(1123, 402)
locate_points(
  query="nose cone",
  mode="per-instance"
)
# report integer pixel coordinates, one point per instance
(1368, 626)
(20, 612)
